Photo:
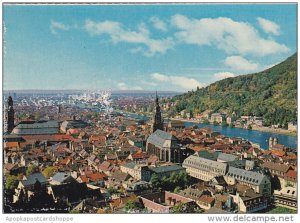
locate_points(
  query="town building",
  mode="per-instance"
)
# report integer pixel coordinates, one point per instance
(164, 202)
(276, 169)
(72, 124)
(217, 117)
(260, 183)
(166, 170)
(204, 169)
(286, 197)
(28, 185)
(250, 202)
(138, 171)
(207, 169)
(36, 128)
(61, 178)
(292, 127)
(141, 171)
(176, 124)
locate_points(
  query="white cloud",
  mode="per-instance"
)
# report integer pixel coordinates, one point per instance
(118, 34)
(158, 24)
(54, 26)
(223, 75)
(240, 63)
(225, 34)
(184, 83)
(124, 86)
(269, 26)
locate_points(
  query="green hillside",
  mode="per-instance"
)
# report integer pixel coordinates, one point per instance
(271, 93)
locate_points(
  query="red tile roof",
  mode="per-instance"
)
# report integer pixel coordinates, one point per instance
(65, 161)
(278, 153)
(11, 144)
(105, 166)
(206, 199)
(84, 179)
(140, 155)
(291, 156)
(292, 174)
(96, 176)
(198, 148)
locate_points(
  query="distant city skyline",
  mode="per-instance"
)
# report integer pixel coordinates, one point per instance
(142, 47)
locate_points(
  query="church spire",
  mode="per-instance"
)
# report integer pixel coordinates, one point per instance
(157, 120)
(10, 115)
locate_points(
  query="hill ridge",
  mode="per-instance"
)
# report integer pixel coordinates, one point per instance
(271, 93)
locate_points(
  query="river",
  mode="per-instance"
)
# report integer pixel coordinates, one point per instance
(252, 135)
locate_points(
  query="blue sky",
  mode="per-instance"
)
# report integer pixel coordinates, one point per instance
(142, 47)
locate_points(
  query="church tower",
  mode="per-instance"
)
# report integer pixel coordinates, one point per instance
(157, 120)
(10, 115)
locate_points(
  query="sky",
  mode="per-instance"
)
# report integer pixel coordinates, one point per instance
(142, 47)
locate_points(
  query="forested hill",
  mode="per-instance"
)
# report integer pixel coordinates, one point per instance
(271, 93)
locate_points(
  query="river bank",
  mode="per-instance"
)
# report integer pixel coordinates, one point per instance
(261, 129)
(272, 130)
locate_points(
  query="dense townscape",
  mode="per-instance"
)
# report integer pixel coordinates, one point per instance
(71, 159)
(140, 109)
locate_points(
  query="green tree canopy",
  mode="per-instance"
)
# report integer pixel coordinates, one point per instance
(112, 190)
(31, 169)
(154, 181)
(133, 205)
(271, 94)
(49, 171)
(11, 182)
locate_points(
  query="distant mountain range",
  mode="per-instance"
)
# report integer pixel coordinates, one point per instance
(271, 94)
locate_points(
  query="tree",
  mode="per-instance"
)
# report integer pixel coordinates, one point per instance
(165, 183)
(49, 171)
(177, 190)
(133, 205)
(224, 123)
(22, 116)
(205, 121)
(179, 208)
(155, 181)
(185, 208)
(183, 179)
(31, 169)
(173, 178)
(249, 127)
(11, 182)
(112, 190)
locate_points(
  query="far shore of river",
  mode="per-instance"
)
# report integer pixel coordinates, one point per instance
(262, 129)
